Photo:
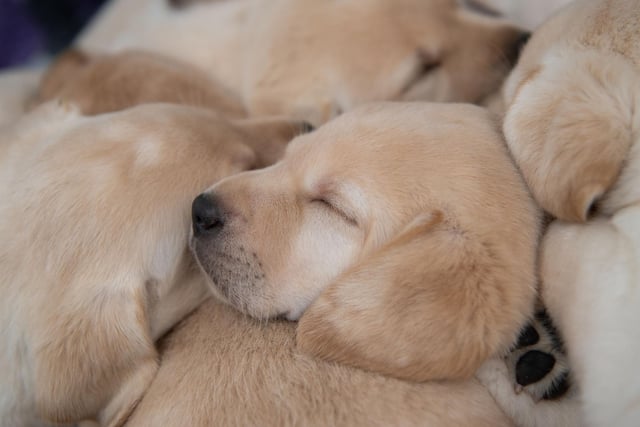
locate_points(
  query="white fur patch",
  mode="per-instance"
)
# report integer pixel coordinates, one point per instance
(149, 151)
(322, 250)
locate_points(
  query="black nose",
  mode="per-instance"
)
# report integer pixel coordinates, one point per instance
(206, 215)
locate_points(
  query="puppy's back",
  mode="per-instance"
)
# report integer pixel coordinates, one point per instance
(221, 368)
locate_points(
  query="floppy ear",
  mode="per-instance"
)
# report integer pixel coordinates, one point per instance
(434, 303)
(62, 70)
(95, 358)
(570, 129)
(269, 136)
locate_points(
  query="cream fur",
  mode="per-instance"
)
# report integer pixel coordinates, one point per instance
(95, 267)
(106, 83)
(573, 127)
(222, 368)
(17, 88)
(314, 59)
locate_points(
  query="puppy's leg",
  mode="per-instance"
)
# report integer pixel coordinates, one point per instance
(94, 357)
(129, 394)
(435, 303)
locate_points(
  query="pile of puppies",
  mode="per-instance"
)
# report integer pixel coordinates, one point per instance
(193, 174)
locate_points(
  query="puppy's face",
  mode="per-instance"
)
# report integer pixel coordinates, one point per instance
(272, 240)
(342, 54)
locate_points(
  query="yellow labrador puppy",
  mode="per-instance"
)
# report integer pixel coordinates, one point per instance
(407, 224)
(220, 368)
(94, 221)
(313, 59)
(573, 127)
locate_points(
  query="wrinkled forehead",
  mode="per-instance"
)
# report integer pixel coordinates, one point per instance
(390, 142)
(354, 148)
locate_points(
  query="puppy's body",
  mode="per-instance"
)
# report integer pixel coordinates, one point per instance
(222, 368)
(313, 59)
(573, 127)
(94, 260)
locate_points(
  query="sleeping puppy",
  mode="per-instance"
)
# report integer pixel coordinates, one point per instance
(573, 128)
(222, 368)
(408, 221)
(314, 59)
(94, 225)
(105, 83)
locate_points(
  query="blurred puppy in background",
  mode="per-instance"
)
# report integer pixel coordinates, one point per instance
(312, 60)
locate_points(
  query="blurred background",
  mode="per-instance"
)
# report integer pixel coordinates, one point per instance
(31, 31)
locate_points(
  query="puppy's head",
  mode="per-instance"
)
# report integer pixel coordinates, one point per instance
(399, 210)
(315, 59)
(117, 190)
(571, 121)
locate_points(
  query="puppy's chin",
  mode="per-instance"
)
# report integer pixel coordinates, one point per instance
(235, 275)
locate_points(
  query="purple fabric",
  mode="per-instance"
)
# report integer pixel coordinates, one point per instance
(20, 39)
(30, 29)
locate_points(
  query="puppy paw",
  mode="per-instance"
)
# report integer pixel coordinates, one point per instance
(532, 383)
(538, 364)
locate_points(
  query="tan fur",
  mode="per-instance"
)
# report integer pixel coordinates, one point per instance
(412, 217)
(105, 83)
(94, 260)
(572, 105)
(222, 368)
(314, 59)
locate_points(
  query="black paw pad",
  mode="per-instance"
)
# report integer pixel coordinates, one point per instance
(528, 336)
(537, 361)
(533, 366)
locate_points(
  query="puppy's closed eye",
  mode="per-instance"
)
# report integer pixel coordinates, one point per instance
(426, 64)
(331, 207)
